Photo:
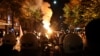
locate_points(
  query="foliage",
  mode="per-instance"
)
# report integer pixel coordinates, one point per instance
(26, 11)
(10, 8)
(71, 15)
(13, 5)
(90, 10)
(81, 15)
(31, 15)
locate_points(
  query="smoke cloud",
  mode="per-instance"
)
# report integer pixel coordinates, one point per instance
(47, 13)
(33, 5)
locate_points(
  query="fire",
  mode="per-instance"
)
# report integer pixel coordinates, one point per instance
(47, 27)
(50, 30)
(47, 14)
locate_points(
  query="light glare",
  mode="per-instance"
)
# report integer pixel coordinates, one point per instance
(54, 2)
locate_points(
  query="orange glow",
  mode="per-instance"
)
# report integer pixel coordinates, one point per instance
(47, 27)
(49, 30)
(47, 14)
(75, 2)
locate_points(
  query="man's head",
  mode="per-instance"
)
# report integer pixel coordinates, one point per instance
(92, 31)
(9, 39)
(72, 43)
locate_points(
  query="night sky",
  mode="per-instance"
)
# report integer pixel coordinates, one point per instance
(57, 8)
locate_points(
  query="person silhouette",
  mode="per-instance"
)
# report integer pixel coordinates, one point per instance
(72, 45)
(6, 49)
(92, 31)
(29, 45)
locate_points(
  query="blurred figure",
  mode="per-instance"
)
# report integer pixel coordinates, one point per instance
(92, 31)
(61, 38)
(6, 49)
(72, 45)
(44, 45)
(29, 45)
(1, 35)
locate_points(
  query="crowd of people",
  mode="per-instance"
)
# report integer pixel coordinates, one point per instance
(67, 44)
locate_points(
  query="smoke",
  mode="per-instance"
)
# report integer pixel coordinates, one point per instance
(47, 13)
(34, 5)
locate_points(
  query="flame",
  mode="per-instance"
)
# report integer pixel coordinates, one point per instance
(47, 14)
(49, 30)
(47, 27)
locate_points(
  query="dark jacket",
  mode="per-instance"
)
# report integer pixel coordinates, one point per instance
(7, 50)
